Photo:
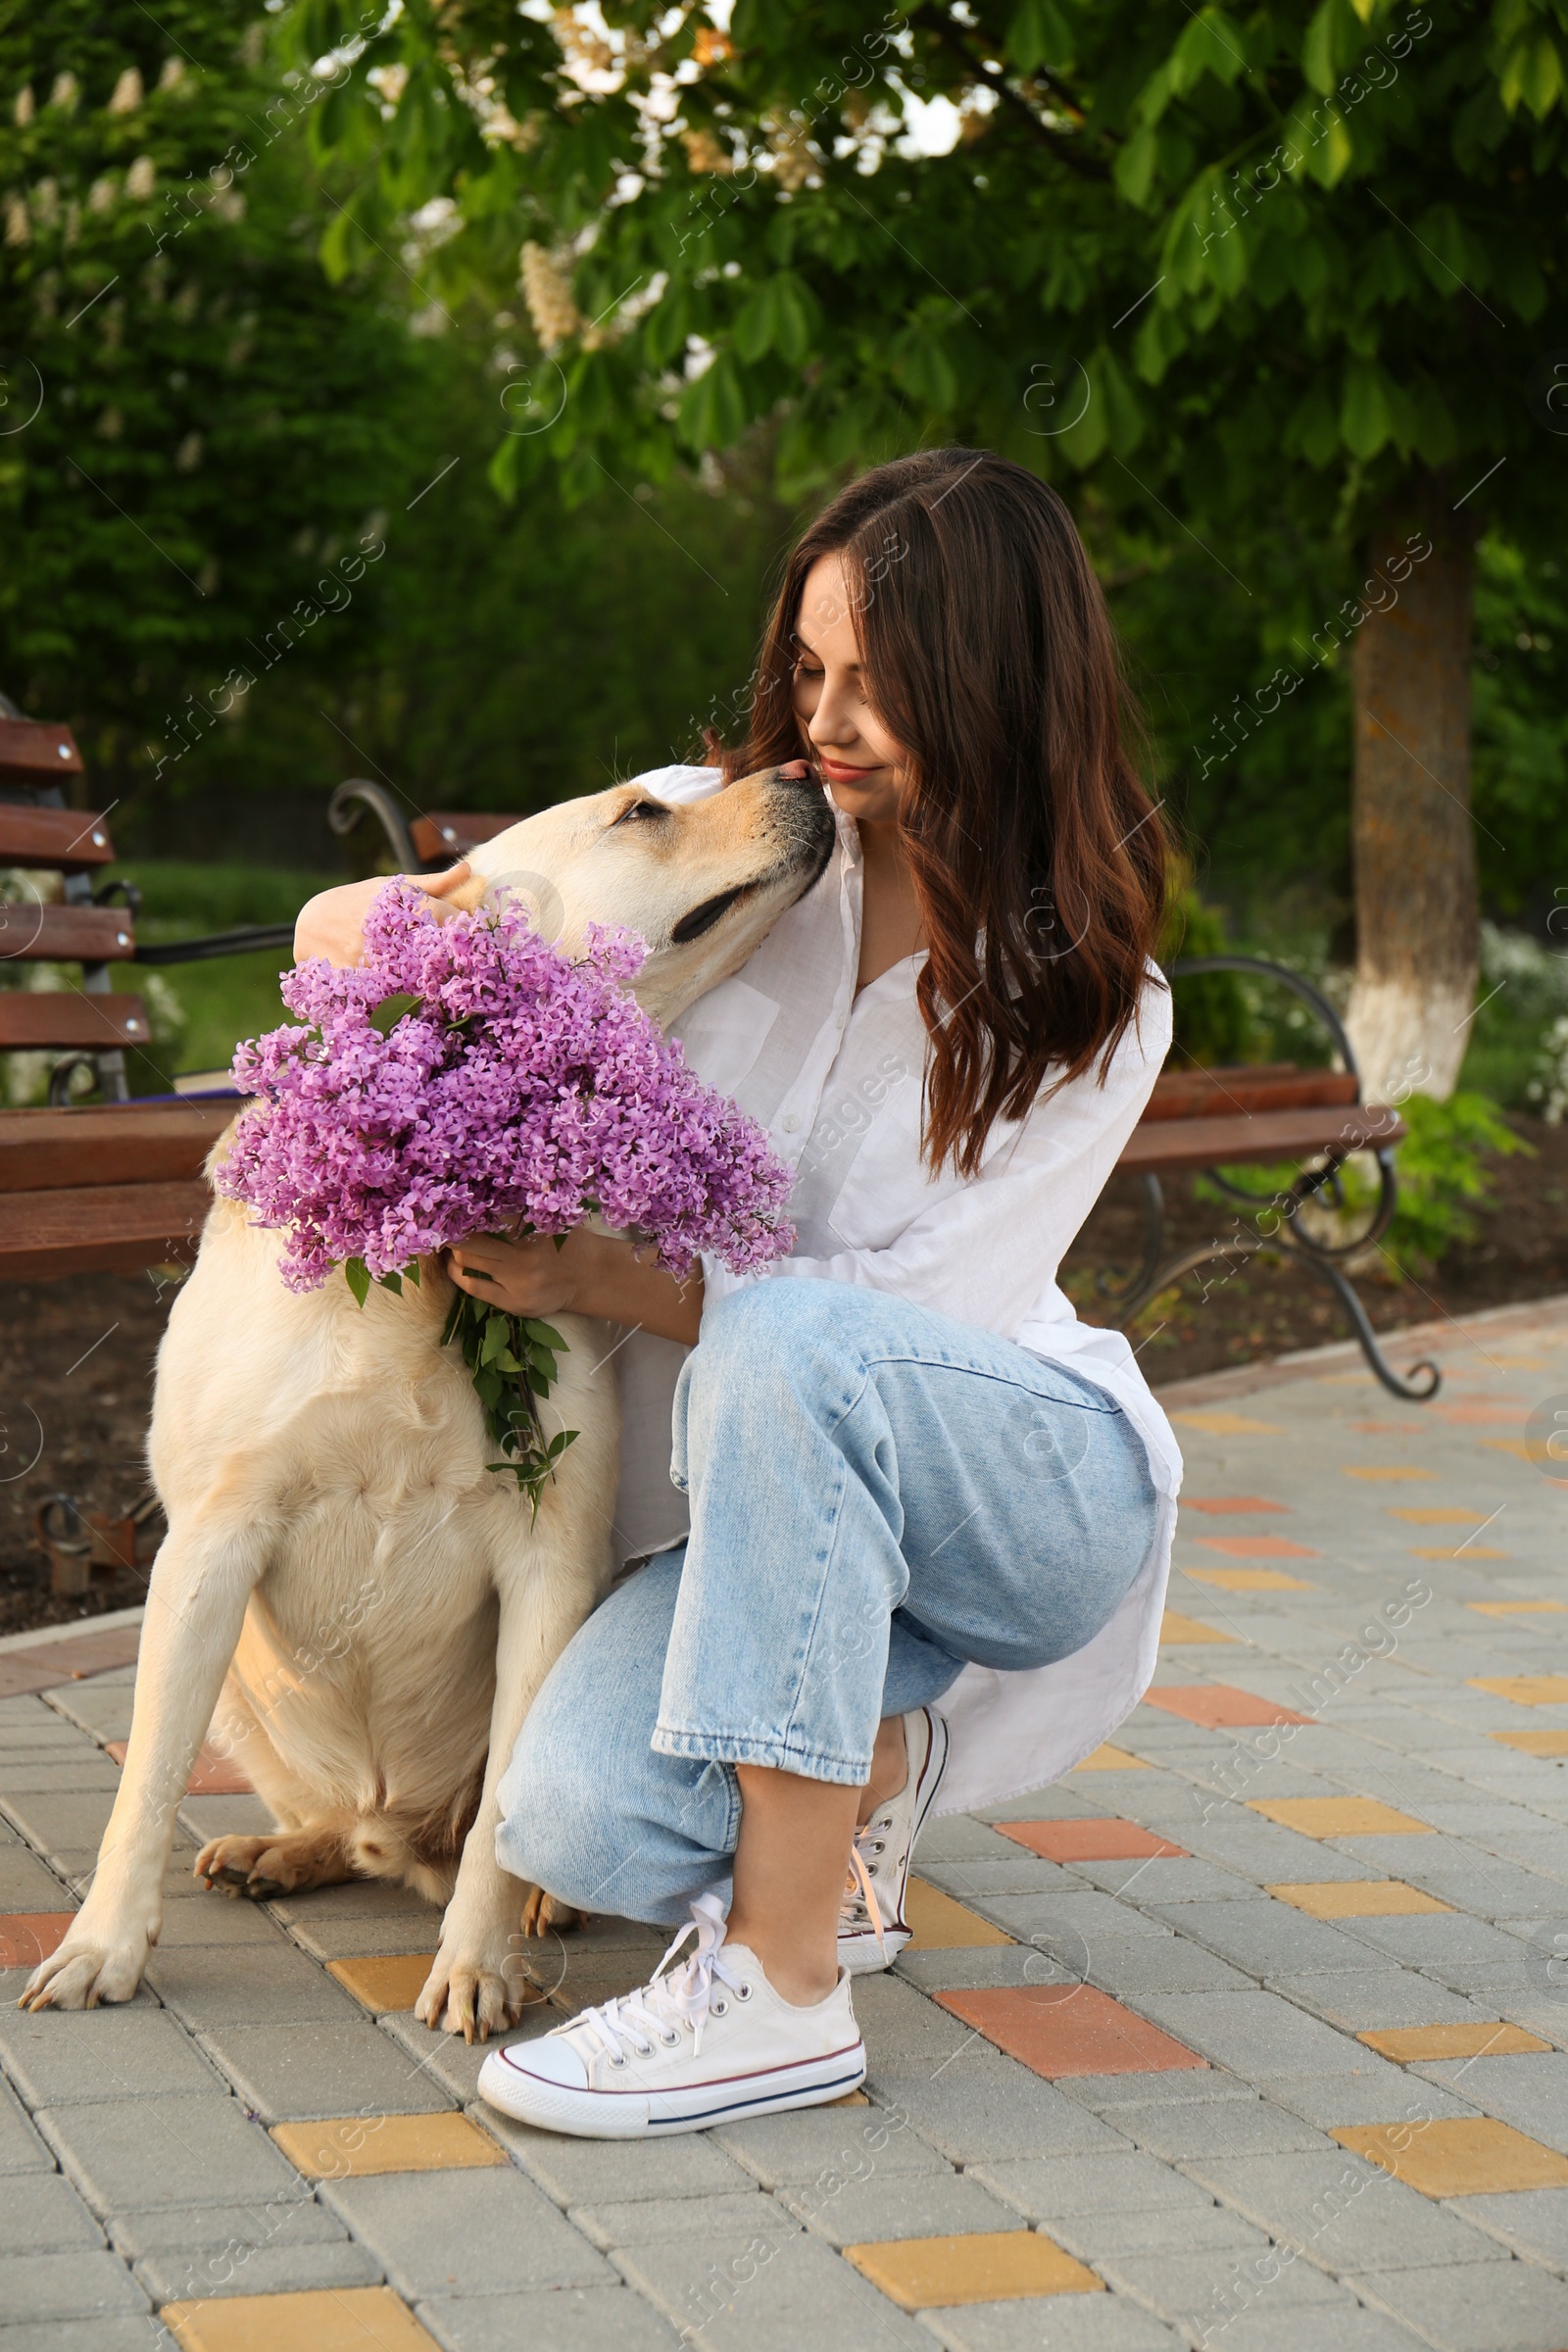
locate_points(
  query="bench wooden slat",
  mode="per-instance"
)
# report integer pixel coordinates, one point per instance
(1196, 1093)
(451, 834)
(33, 934)
(68, 1016)
(102, 1229)
(85, 1145)
(1158, 1145)
(67, 840)
(35, 752)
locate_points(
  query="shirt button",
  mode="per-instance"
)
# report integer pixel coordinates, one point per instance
(789, 1123)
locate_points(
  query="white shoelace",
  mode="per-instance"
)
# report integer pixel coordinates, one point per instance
(859, 1908)
(666, 2004)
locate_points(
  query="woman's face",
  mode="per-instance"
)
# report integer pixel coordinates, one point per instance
(863, 766)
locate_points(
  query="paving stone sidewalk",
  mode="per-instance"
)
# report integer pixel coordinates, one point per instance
(1251, 2033)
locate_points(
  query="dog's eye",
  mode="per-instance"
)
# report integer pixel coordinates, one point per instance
(639, 808)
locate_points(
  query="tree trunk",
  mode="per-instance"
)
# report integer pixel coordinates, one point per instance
(1417, 930)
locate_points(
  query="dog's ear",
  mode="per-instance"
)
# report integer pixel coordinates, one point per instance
(467, 895)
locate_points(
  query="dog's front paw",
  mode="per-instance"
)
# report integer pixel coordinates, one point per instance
(546, 1914)
(472, 1994)
(87, 1968)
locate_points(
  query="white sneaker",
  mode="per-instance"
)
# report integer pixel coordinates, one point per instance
(708, 2042)
(873, 1928)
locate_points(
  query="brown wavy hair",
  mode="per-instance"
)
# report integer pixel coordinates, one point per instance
(1038, 857)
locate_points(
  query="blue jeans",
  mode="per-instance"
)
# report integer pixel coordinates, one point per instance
(878, 1493)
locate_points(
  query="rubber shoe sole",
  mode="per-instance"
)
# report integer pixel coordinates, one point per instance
(644, 2115)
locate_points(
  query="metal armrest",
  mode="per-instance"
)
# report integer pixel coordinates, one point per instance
(348, 805)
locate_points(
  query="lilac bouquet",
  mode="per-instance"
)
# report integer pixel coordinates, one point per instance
(468, 1078)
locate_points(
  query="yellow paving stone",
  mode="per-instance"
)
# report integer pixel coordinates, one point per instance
(943, 1926)
(1357, 1898)
(1002, 2266)
(339, 2318)
(353, 2146)
(1457, 2156)
(1107, 1758)
(1230, 1424)
(1384, 1473)
(1248, 1580)
(384, 1982)
(1462, 1551)
(1516, 1608)
(1525, 1690)
(1174, 1627)
(1339, 1817)
(1437, 1514)
(1534, 1744)
(1522, 1363)
(1413, 2044)
(1508, 1445)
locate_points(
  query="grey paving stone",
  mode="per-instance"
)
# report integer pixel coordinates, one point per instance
(1066, 2323)
(64, 1829)
(290, 2219)
(1014, 1872)
(1472, 2307)
(901, 2029)
(1440, 1940)
(1250, 2031)
(206, 1922)
(288, 2073)
(1362, 2000)
(1534, 2222)
(819, 2143)
(24, 1883)
(1058, 1803)
(43, 1733)
(761, 2294)
(1135, 1963)
(1157, 1884)
(582, 2172)
(1182, 2087)
(1043, 2189)
(961, 1836)
(334, 1938)
(1202, 2291)
(1338, 2327)
(983, 2106)
(145, 2152)
(581, 2319)
(1529, 2092)
(1376, 2096)
(35, 2287)
(1341, 2213)
(465, 2232)
(21, 2148)
(1265, 1936)
(101, 1706)
(58, 2056)
(277, 2270)
(40, 1776)
(1099, 2237)
(365, 1899)
(742, 2213)
(140, 2333)
(963, 1970)
(250, 1983)
(1087, 1916)
(204, 1817)
(41, 2214)
(855, 2213)
(1184, 2135)
(447, 2062)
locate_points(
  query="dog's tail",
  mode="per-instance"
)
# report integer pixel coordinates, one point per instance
(422, 1849)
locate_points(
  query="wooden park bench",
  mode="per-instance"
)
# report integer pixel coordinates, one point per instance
(122, 1188)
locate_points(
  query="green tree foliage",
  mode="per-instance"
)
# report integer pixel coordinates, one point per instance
(197, 427)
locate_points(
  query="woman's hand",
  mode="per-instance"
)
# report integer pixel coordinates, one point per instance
(331, 924)
(590, 1274)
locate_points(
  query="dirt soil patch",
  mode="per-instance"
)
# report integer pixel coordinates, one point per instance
(77, 1357)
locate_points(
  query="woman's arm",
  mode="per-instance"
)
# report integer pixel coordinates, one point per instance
(331, 923)
(590, 1274)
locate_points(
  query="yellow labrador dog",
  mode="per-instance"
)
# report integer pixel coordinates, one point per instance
(370, 1611)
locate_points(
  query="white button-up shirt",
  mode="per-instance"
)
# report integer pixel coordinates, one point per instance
(837, 1080)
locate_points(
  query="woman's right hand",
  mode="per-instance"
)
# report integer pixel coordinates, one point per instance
(332, 923)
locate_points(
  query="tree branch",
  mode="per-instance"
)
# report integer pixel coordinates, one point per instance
(936, 21)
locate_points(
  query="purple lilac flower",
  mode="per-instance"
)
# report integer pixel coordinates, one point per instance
(522, 1089)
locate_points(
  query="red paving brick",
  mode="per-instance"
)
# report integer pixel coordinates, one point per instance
(1087, 1841)
(211, 1775)
(44, 1664)
(1213, 1705)
(1079, 2032)
(29, 1937)
(1257, 1547)
(1218, 1505)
